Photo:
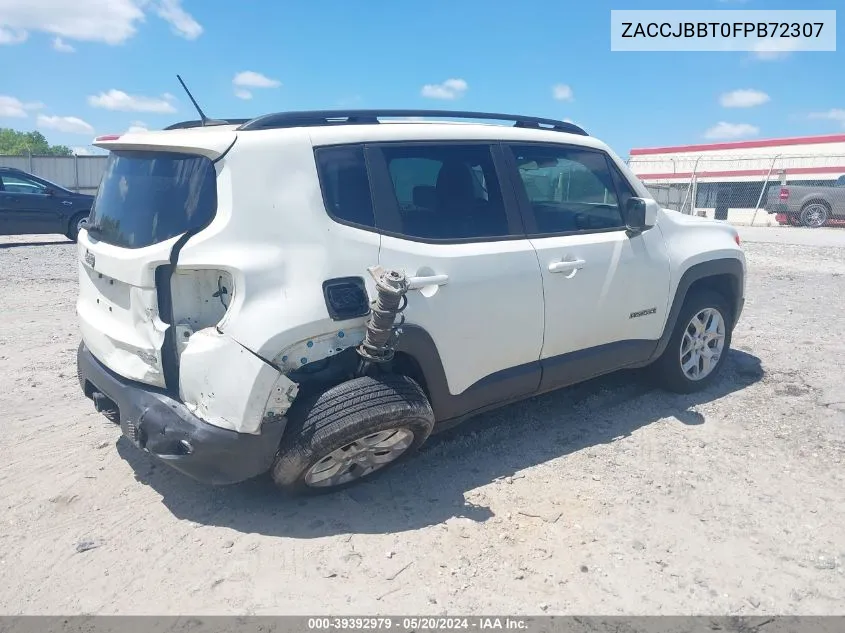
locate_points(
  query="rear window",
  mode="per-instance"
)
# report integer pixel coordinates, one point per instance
(148, 197)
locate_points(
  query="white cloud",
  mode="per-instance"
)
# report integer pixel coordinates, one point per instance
(182, 23)
(108, 21)
(12, 107)
(251, 79)
(449, 89)
(743, 99)
(774, 49)
(137, 126)
(562, 92)
(61, 46)
(835, 114)
(68, 124)
(11, 36)
(723, 130)
(119, 100)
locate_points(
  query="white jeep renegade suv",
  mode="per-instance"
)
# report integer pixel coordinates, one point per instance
(312, 293)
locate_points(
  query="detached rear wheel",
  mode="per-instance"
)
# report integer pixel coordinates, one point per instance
(699, 344)
(350, 432)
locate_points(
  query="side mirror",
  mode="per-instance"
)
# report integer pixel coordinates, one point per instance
(49, 192)
(640, 214)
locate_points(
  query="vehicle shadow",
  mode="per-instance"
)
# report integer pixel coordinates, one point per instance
(429, 488)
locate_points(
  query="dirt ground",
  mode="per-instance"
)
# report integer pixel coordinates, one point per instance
(607, 498)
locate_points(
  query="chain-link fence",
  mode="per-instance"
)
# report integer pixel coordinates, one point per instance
(760, 189)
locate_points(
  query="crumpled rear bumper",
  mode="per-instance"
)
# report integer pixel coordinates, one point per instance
(166, 428)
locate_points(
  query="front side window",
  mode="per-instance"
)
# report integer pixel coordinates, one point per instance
(568, 188)
(16, 184)
(446, 192)
(148, 197)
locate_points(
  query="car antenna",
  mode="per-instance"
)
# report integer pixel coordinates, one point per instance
(203, 119)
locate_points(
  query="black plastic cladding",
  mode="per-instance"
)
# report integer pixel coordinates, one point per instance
(314, 118)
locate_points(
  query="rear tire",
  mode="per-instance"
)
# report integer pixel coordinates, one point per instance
(351, 431)
(75, 225)
(814, 214)
(694, 357)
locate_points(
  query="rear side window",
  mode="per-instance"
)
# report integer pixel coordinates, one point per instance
(446, 192)
(345, 184)
(148, 197)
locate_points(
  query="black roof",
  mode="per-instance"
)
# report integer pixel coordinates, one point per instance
(313, 118)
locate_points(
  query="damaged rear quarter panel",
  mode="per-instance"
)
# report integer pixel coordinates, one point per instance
(228, 386)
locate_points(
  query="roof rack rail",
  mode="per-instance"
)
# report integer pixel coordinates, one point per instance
(313, 118)
(184, 125)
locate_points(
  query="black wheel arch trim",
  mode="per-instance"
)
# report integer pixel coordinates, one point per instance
(730, 266)
(490, 392)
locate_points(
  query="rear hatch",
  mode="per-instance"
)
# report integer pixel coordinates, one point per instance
(159, 188)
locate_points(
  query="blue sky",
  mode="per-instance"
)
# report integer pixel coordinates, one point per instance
(101, 66)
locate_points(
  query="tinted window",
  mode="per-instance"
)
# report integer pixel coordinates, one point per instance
(16, 184)
(840, 182)
(346, 187)
(568, 189)
(149, 197)
(446, 191)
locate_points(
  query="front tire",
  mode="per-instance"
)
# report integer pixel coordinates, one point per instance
(699, 344)
(75, 225)
(351, 431)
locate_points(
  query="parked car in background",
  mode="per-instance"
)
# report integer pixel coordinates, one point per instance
(808, 206)
(32, 205)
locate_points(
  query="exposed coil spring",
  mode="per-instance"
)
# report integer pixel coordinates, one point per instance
(382, 326)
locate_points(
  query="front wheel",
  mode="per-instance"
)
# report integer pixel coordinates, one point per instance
(698, 346)
(76, 224)
(351, 431)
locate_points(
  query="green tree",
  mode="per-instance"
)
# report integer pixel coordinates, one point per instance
(16, 143)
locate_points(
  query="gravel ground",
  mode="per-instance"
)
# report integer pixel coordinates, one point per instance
(608, 498)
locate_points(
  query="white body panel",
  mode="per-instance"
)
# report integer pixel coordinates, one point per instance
(278, 243)
(117, 307)
(692, 240)
(228, 386)
(487, 315)
(605, 277)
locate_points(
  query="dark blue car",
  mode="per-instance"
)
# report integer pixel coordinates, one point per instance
(29, 204)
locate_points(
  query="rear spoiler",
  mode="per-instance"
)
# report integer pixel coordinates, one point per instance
(211, 142)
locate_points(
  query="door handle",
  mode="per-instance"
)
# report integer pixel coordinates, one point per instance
(415, 283)
(67, 203)
(567, 266)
